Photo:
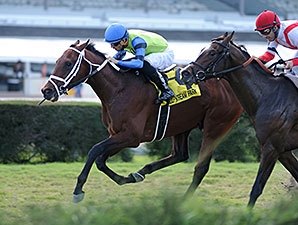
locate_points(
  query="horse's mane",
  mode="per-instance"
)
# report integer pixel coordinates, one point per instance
(245, 53)
(242, 48)
(92, 49)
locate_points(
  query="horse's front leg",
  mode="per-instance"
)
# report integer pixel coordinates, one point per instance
(100, 152)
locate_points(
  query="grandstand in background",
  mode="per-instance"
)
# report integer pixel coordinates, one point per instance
(30, 28)
(176, 19)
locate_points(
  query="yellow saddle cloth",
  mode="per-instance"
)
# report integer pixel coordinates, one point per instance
(181, 92)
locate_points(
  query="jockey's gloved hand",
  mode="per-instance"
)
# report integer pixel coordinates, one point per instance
(281, 61)
(120, 54)
(289, 65)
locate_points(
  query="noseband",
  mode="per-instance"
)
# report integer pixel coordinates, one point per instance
(209, 71)
(74, 71)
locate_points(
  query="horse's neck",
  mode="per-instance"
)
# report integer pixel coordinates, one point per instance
(250, 86)
(107, 84)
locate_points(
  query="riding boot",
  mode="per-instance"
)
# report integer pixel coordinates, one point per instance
(160, 82)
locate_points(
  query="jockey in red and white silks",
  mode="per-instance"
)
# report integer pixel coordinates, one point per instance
(278, 32)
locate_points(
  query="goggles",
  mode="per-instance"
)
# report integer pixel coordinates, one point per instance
(265, 32)
(116, 43)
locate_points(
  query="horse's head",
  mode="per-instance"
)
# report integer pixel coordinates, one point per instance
(209, 61)
(71, 69)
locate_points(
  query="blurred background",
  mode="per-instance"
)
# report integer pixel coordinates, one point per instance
(34, 33)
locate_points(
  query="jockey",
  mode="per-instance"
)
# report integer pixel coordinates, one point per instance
(151, 54)
(285, 33)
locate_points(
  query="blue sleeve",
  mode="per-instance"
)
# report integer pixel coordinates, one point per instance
(139, 45)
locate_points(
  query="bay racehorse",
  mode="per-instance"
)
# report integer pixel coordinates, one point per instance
(130, 114)
(271, 103)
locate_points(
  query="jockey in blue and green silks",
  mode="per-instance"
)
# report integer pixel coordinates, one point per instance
(151, 54)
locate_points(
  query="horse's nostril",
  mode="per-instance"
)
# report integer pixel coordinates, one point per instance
(185, 73)
(182, 74)
(185, 76)
(47, 93)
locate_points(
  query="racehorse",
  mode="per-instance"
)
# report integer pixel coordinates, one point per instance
(271, 103)
(130, 114)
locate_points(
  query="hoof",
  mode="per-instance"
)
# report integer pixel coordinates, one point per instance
(79, 197)
(138, 177)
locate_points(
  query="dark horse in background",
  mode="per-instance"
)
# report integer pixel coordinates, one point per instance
(130, 114)
(271, 103)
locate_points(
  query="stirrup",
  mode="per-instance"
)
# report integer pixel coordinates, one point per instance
(167, 97)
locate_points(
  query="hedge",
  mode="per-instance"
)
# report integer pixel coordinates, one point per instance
(51, 132)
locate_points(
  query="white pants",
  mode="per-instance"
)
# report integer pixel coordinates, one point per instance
(295, 70)
(161, 60)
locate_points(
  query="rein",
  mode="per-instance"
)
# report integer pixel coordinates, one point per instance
(202, 74)
(74, 71)
(243, 65)
(246, 63)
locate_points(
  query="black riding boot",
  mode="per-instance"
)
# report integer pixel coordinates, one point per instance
(153, 75)
(160, 82)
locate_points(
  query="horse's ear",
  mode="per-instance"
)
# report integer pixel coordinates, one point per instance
(220, 38)
(75, 44)
(86, 43)
(229, 37)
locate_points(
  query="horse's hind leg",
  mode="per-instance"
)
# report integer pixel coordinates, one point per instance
(207, 147)
(179, 154)
(213, 134)
(290, 162)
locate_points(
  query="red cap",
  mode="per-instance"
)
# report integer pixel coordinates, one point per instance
(267, 19)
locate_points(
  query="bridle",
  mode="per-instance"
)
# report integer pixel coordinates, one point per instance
(208, 72)
(74, 71)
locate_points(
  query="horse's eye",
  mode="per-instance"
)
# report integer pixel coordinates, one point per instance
(68, 64)
(212, 53)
